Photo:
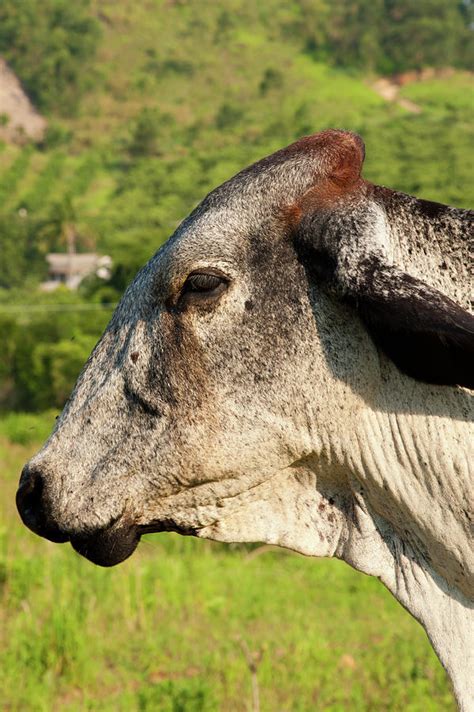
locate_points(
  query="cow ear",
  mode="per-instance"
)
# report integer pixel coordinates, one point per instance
(340, 234)
(426, 334)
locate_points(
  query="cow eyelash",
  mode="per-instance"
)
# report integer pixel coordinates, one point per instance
(203, 282)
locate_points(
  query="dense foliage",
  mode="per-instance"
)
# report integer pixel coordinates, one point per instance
(49, 43)
(180, 97)
(391, 36)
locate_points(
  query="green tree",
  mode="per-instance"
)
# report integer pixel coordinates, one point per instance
(55, 368)
(398, 35)
(272, 79)
(146, 134)
(423, 33)
(59, 231)
(22, 255)
(354, 33)
(44, 350)
(228, 116)
(50, 44)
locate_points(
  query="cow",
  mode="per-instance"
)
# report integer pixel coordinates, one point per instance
(292, 367)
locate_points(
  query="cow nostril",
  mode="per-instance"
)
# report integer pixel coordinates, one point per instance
(32, 507)
(28, 497)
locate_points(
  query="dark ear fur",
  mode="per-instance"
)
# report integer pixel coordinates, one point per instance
(427, 335)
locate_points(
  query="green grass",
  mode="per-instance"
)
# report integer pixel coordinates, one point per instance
(449, 94)
(165, 631)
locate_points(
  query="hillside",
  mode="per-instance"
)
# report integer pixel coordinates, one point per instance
(177, 97)
(215, 90)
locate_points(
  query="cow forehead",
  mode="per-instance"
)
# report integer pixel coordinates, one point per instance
(219, 237)
(236, 213)
(216, 233)
(245, 212)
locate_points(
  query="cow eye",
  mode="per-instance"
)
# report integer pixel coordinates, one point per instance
(203, 282)
(202, 287)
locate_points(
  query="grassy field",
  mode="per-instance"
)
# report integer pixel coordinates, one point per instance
(178, 627)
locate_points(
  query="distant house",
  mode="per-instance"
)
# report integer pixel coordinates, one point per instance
(71, 268)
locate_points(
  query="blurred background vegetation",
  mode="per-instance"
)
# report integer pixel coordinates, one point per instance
(149, 105)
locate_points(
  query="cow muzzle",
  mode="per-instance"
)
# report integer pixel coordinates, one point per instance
(104, 546)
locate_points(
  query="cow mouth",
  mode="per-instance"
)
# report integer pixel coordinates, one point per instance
(115, 543)
(168, 525)
(108, 547)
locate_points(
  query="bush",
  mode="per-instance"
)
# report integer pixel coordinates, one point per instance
(272, 79)
(177, 696)
(177, 66)
(56, 368)
(45, 349)
(55, 135)
(146, 133)
(22, 254)
(228, 116)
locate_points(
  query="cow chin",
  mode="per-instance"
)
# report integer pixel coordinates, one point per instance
(108, 547)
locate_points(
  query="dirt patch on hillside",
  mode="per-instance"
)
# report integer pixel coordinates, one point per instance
(19, 119)
(389, 87)
(389, 90)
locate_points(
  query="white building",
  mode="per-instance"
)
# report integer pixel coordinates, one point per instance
(71, 268)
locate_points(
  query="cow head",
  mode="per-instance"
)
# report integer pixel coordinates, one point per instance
(222, 399)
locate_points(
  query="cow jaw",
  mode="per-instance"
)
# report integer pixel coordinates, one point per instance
(291, 510)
